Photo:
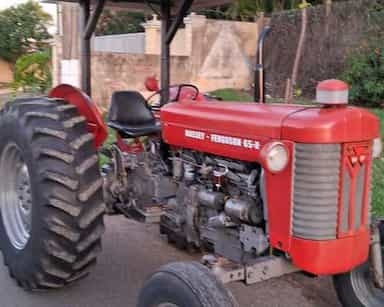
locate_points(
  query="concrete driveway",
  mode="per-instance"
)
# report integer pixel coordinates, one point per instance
(131, 252)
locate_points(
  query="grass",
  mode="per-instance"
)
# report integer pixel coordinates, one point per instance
(378, 165)
(378, 174)
(232, 95)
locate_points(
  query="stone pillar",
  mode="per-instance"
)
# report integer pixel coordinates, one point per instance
(57, 55)
(188, 35)
(197, 28)
(152, 36)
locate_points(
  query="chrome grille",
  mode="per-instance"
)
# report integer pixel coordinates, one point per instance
(316, 191)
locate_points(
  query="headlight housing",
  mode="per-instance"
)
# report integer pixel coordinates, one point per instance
(276, 157)
(377, 148)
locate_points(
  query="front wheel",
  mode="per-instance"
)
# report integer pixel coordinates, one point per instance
(184, 284)
(356, 288)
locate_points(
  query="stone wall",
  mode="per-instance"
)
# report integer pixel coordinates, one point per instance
(333, 32)
(209, 53)
(6, 74)
(222, 52)
(181, 44)
(116, 71)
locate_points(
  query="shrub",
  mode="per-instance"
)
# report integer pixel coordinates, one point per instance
(33, 72)
(365, 75)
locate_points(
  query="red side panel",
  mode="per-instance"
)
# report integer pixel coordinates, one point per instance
(135, 147)
(86, 108)
(279, 194)
(330, 257)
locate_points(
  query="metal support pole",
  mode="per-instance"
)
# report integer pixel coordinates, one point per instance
(85, 48)
(165, 11)
(92, 22)
(181, 12)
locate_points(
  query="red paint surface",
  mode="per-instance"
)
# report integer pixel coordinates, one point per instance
(330, 257)
(331, 125)
(248, 120)
(151, 84)
(289, 124)
(302, 124)
(332, 85)
(135, 147)
(279, 195)
(186, 93)
(86, 108)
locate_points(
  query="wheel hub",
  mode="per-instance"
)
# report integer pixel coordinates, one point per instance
(362, 281)
(15, 196)
(365, 289)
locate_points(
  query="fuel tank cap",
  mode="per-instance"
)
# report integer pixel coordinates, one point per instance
(332, 92)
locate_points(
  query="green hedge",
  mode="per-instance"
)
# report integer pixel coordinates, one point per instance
(365, 74)
(33, 72)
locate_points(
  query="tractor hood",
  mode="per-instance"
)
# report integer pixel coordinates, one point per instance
(330, 125)
(229, 118)
(228, 127)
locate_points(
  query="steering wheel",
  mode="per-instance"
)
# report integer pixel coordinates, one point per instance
(176, 92)
(186, 85)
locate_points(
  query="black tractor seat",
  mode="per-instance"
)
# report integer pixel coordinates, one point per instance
(130, 115)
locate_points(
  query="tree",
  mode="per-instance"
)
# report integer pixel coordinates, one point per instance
(120, 22)
(291, 83)
(23, 29)
(248, 9)
(33, 72)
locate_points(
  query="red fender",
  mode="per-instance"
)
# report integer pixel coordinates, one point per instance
(86, 108)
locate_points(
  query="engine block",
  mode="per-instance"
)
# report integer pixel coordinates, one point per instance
(217, 207)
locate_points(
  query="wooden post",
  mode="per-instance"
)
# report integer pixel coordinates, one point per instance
(299, 52)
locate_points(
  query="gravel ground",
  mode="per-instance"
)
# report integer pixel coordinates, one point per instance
(131, 252)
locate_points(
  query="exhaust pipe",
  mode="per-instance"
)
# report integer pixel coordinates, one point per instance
(259, 90)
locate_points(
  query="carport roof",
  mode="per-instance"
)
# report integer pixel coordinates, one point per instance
(143, 4)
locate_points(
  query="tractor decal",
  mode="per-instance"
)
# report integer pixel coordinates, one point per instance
(223, 139)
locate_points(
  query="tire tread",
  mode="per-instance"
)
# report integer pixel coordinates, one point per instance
(73, 221)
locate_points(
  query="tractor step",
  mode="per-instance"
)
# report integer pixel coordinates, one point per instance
(263, 269)
(149, 214)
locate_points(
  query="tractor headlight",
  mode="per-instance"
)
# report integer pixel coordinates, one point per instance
(276, 156)
(377, 148)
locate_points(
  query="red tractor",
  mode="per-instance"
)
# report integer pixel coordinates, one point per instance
(262, 189)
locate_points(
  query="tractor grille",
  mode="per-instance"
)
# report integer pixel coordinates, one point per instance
(316, 191)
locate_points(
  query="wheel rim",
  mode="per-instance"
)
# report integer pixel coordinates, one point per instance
(15, 196)
(364, 289)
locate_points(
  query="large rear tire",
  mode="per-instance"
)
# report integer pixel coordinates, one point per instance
(356, 288)
(51, 201)
(184, 284)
